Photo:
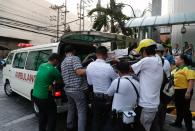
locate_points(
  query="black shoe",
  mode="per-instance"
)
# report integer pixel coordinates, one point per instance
(176, 125)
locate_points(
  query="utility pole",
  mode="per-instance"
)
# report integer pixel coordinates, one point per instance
(58, 8)
(65, 15)
(80, 15)
(83, 15)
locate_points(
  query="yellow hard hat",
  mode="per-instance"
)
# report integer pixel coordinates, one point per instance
(145, 43)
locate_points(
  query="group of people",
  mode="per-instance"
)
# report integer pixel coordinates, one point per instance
(128, 97)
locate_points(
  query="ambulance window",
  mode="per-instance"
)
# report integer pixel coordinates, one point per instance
(36, 58)
(22, 60)
(9, 58)
(19, 60)
(16, 60)
(32, 60)
(43, 57)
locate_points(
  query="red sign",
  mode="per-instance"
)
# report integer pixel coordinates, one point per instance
(25, 77)
(24, 45)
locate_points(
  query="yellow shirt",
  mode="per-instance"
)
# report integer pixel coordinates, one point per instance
(182, 76)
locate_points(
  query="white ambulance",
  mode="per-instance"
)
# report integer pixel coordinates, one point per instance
(22, 64)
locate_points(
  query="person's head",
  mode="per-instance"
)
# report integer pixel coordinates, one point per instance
(160, 49)
(54, 59)
(186, 44)
(147, 47)
(102, 52)
(182, 60)
(69, 49)
(176, 45)
(190, 45)
(123, 68)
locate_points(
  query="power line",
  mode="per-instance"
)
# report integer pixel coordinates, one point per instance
(26, 25)
(27, 30)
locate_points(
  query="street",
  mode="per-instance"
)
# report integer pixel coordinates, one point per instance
(17, 115)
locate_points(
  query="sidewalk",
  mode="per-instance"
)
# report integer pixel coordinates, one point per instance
(170, 119)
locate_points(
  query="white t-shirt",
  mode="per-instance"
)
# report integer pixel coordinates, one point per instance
(166, 66)
(100, 75)
(151, 76)
(126, 98)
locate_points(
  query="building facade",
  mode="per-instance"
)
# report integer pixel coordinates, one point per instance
(178, 7)
(31, 21)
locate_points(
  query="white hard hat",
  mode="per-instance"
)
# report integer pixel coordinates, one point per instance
(160, 47)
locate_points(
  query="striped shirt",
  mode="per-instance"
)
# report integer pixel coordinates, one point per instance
(72, 81)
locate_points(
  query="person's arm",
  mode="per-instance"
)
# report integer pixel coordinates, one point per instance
(57, 76)
(190, 77)
(189, 90)
(137, 67)
(113, 74)
(77, 66)
(80, 72)
(112, 88)
(89, 81)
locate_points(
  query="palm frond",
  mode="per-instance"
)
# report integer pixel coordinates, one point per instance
(100, 21)
(99, 9)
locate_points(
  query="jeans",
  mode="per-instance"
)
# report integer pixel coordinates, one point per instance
(47, 114)
(101, 109)
(183, 108)
(77, 102)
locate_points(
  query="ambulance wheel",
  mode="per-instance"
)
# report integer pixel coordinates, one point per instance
(8, 89)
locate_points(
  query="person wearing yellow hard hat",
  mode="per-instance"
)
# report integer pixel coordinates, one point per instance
(150, 73)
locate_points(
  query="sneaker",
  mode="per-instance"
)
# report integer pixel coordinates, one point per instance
(176, 125)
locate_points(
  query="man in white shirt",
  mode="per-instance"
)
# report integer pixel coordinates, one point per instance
(176, 50)
(100, 75)
(151, 76)
(166, 65)
(125, 90)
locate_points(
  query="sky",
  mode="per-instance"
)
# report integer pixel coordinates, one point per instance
(138, 5)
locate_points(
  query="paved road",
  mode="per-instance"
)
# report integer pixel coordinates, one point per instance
(17, 115)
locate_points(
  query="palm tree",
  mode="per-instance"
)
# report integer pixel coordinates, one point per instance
(108, 16)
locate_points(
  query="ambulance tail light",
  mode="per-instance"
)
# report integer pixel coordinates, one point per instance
(58, 94)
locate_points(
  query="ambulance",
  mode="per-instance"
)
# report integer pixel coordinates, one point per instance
(21, 66)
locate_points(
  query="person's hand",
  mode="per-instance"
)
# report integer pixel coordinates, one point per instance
(188, 95)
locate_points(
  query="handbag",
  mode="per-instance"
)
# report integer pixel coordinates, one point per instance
(169, 90)
(128, 117)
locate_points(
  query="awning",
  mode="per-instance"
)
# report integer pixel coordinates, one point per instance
(183, 18)
(91, 37)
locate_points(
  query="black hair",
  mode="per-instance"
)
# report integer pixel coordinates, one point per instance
(150, 50)
(123, 67)
(102, 50)
(69, 48)
(186, 60)
(53, 57)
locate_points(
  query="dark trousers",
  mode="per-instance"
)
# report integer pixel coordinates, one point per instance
(100, 113)
(47, 114)
(159, 120)
(183, 108)
(118, 125)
